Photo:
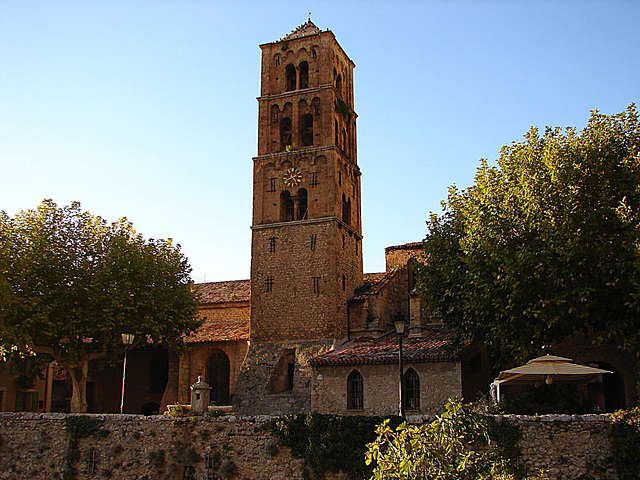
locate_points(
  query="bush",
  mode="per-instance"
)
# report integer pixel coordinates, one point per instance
(625, 443)
(454, 446)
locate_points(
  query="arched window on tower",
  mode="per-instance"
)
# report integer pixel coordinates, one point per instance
(301, 206)
(304, 75)
(355, 395)
(344, 140)
(346, 209)
(285, 133)
(411, 390)
(307, 129)
(275, 114)
(277, 59)
(339, 84)
(335, 133)
(286, 206)
(290, 74)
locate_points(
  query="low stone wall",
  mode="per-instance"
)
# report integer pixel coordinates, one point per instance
(138, 447)
(160, 447)
(565, 447)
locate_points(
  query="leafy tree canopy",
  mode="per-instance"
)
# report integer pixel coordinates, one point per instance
(70, 283)
(546, 243)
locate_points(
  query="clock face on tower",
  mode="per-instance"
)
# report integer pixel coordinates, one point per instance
(292, 177)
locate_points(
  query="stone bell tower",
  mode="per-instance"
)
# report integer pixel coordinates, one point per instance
(306, 235)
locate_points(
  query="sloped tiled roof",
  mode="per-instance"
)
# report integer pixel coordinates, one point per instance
(303, 30)
(406, 246)
(431, 346)
(224, 292)
(214, 329)
(378, 281)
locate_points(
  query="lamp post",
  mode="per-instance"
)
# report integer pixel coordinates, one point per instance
(399, 324)
(127, 339)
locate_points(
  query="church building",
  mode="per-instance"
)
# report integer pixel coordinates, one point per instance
(309, 330)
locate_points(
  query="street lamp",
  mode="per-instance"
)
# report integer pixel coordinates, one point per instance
(399, 324)
(127, 339)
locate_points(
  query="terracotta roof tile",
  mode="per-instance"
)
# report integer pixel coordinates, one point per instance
(432, 346)
(218, 330)
(224, 292)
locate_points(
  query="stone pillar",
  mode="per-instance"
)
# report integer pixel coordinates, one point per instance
(200, 393)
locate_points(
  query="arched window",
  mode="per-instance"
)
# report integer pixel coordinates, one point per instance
(335, 133)
(218, 377)
(307, 129)
(314, 53)
(285, 132)
(339, 84)
(301, 207)
(354, 391)
(290, 73)
(304, 75)
(275, 114)
(411, 390)
(286, 206)
(277, 59)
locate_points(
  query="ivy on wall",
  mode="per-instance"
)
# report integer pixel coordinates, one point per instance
(329, 442)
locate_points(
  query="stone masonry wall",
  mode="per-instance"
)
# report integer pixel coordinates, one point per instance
(566, 447)
(159, 447)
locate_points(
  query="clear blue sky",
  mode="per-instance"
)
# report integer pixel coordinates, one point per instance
(146, 109)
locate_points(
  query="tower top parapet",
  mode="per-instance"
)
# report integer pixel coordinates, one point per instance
(304, 30)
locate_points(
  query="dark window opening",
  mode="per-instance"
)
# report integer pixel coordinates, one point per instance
(291, 366)
(354, 391)
(272, 185)
(304, 75)
(314, 54)
(335, 133)
(286, 206)
(346, 210)
(316, 285)
(277, 60)
(272, 244)
(411, 390)
(285, 133)
(307, 129)
(290, 73)
(344, 282)
(268, 284)
(344, 140)
(340, 179)
(339, 84)
(301, 207)
(314, 179)
(314, 238)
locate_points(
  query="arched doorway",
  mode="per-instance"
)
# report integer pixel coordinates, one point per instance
(218, 377)
(607, 394)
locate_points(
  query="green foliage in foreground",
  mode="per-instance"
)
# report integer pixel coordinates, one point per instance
(625, 442)
(456, 446)
(545, 243)
(329, 442)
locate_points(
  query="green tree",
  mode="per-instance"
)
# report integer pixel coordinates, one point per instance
(455, 446)
(544, 244)
(70, 282)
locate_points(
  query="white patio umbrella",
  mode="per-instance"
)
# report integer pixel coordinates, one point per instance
(549, 369)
